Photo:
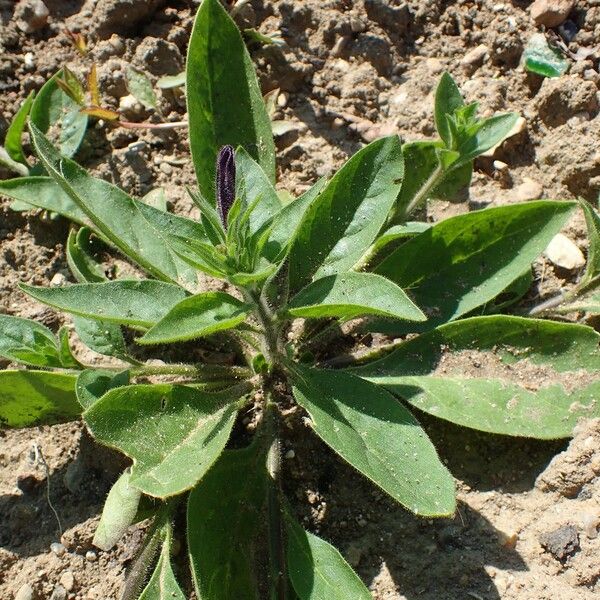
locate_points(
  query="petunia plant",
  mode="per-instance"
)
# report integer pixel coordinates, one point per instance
(202, 383)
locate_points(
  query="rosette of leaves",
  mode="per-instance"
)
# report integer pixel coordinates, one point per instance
(342, 253)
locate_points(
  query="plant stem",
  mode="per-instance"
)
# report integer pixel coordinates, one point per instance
(275, 523)
(266, 318)
(425, 190)
(146, 125)
(562, 298)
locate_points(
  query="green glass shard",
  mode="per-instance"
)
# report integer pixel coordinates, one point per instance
(541, 58)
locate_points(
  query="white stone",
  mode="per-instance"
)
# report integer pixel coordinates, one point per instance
(528, 190)
(564, 253)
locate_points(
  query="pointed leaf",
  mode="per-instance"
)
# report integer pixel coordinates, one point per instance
(317, 570)
(173, 433)
(67, 358)
(371, 430)
(196, 317)
(25, 341)
(84, 268)
(447, 99)
(118, 513)
(352, 295)
(31, 398)
(92, 384)
(163, 584)
(346, 217)
(500, 374)
(465, 261)
(103, 337)
(225, 513)
(57, 115)
(225, 105)
(12, 142)
(592, 219)
(490, 133)
(130, 302)
(119, 218)
(140, 87)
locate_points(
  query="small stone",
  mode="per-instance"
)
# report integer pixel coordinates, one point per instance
(508, 539)
(361, 521)
(59, 593)
(25, 592)
(528, 190)
(337, 123)
(474, 58)
(91, 556)
(29, 60)
(353, 555)
(290, 454)
(564, 253)
(561, 543)
(130, 107)
(500, 166)
(340, 45)
(117, 43)
(31, 15)
(58, 280)
(57, 548)
(357, 25)
(550, 13)
(67, 580)
(589, 524)
(166, 168)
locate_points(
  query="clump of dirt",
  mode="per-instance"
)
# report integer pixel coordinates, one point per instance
(349, 72)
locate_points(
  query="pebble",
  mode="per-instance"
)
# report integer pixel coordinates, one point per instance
(117, 43)
(550, 13)
(353, 555)
(130, 106)
(356, 25)
(166, 168)
(67, 580)
(31, 15)
(29, 60)
(59, 593)
(340, 45)
(474, 58)
(25, 592)
(91, 556)
(561, 543)
(58, 280)
(290, 454)
(589, 525)
(564, 253)
(528, 190)
(57, 548)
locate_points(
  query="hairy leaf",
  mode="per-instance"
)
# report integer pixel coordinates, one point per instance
(317, 570)
(347, 215)
(25, 341)
(224, 516)
(92, 384)
(465, 261)
(225, 105)
(30, 398)
(351, 295)
(140, 87)
(12, 142)
(163, 584)
(173, 433)
(130, 302)
(592, 219)
(500, 374)
(197, 316)
(447, 99)
(371, 430)
(84, 268)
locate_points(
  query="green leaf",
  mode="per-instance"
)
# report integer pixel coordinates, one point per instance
(224, 515)
(44, 193)
(447, 99)
(171, 81)
(130, 302)
(399, 232)
(140, 87)
(371, 430)
(138, 230)
(14, 166)
(25, 341)
(67, 358)
(592, 220)
(120, 509)
(253, 188)
(345, 218)
(317, 570)
(103, 337)
(225, 105)
(287, 221)
(464, 262)
(31, 398)
(84, 268)
(157, 198)
(173, 433)
(57, 115)
(92, 384)
(200, 255)
(352, 295)
(589, 303)
(501, 374)
(196, 317)
(12, 142)
(163, 584)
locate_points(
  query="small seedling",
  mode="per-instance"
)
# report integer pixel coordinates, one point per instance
(343, 252)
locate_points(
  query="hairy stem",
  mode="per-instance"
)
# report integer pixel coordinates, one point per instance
(425, 190)
(562, 298)
(146, 125)
(272, 346)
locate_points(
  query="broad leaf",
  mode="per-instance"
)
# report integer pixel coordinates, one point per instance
(225, 105)
(92, 384)
(25, 341)
(118, 217)
(12, 142)
(491, 132)
(464, 262)
(371, 430)
(173, 433)
(225, 513)
(196, 317)
(53, 112)
(351, 295)
(103, 337)
(140, 87)
(500, 374)
(447, 99)
(163, 584)
(120, 509)
(317, 570)
(84, 268)
(129, 302)
(346, 217)
(30, 398)
(592, 220)
(399, 232)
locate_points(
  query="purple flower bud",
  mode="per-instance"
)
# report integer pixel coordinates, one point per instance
(225, 182)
